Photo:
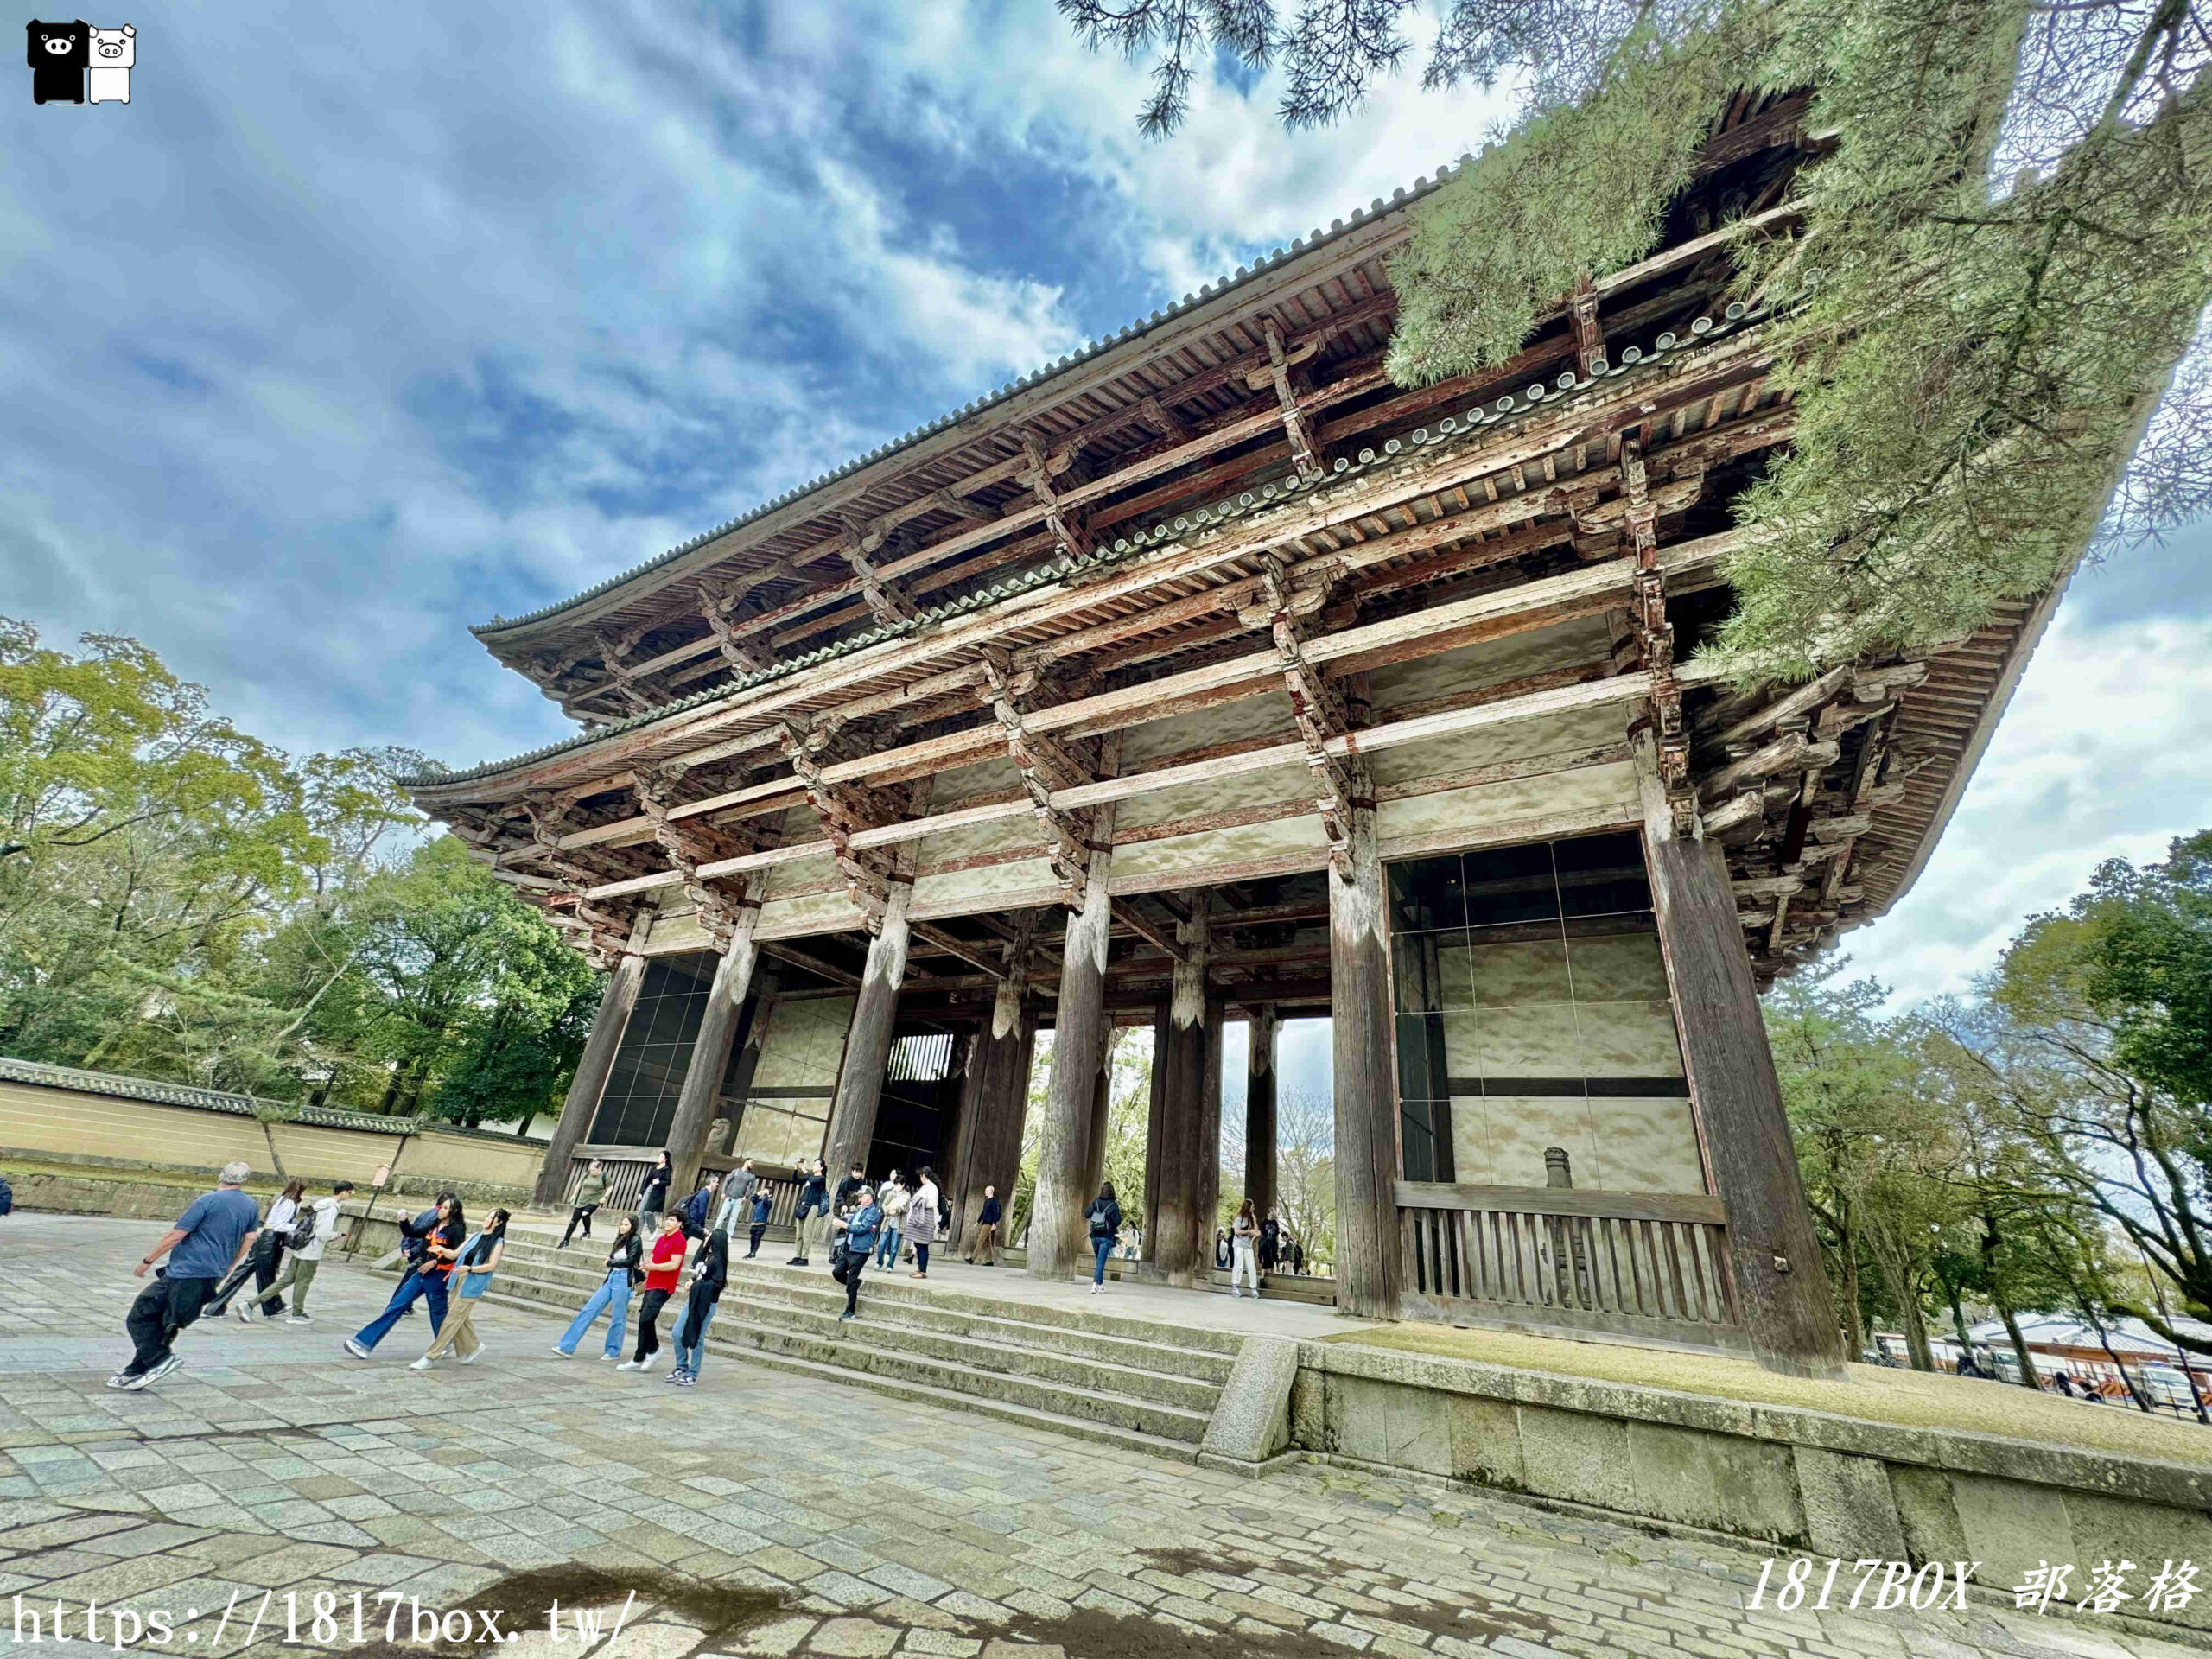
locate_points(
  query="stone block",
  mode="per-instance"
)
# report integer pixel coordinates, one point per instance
(2010, 1526)
(1486, 1442)
(1849, 1510)
(1251, 1420)
(1309, 1419)
(1417, 1430)
(1356, 1408)
(1581, 1459)
(1931, 1519)
(2119, 1529)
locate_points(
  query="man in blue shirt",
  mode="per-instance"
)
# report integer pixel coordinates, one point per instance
(208, 1239)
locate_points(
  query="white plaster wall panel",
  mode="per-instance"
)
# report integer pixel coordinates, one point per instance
(1565, 645)
(1628, 1040)
(830, 911)
(1211, 849)
(673, 935)
(1530, 1040)
(983, 779)
(1470, 1159)
(1642, 1145)
(1608, 788)
(1515, 740)
(1266, 715)
(1503, 972)
(1276, 784)
(957, 886)
(1619, 968)
(803, 1043)
(974, 840)
(774, 1134)
(1516, 1129)
(785, 879)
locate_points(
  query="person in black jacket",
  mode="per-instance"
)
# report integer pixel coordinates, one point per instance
(813, 1200)
(709, 1274)
(652, 1196)
(612, 1296)
(1105, 1218)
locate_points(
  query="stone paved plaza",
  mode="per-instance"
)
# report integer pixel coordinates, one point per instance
(762, 1513)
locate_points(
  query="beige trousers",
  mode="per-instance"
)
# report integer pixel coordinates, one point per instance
(459, 1331)
(983, 1244)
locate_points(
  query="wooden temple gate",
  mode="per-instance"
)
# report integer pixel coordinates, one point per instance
(1207, 675)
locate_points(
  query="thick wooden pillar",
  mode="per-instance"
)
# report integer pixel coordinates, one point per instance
(1182, 1246)
(1210, 1139)
(1101, 1113)
(1152, 1134)
(1260, 1110)
(1055, 1246)
(749, 1056)
(868, 1044)
(710, 1051)
(1366, 1092)
(1781, 1294)
(590, 1080)
(994, 1100)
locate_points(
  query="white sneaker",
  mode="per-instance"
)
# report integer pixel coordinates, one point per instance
(298, 1318)
(605, 1357)
(470, 1359)
(631, 1365)
(243, 1314)
(422, 1364)
(559, 1352)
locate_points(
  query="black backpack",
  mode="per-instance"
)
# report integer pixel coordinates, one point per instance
(7, 1196)
(302, 1233)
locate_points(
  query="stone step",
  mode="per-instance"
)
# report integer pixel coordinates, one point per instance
(870, 1353)
(900, 1290)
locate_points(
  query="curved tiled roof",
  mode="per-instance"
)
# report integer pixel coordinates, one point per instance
(1633, 359)
(210, 1100)
(1298, 249)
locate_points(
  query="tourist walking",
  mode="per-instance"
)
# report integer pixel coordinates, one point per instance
(891, 1198)
(652, 1196)
(922, 1221)
(861, 1230)
(472, 1268)
(611, 1297)
(813, 1200)
(764, 1204)
(983, 1246)
(441, 1240)
(663, 1270)
(210, 1238)
(737, 1197)
(591, 1192)
(709, 1274)
(1104, 1217)
(698, 1207)
(260, 1262)
(1244, 1244)
(300, 1267)
(1270, 1241)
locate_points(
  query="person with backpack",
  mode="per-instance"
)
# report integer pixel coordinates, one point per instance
(710, 1273)
(923, 1220)
(850, 1258)
(653, 1196)
(699, 1206)
(474, 1264)
(260, 1264)
(7, 1196)
(439, 1241)
(891, 1198)
(612, 1296)
(320, 1222)
(1104, 1217)
(737, 1197)
(763, 1203)
(813, 1200)
(591, 1192)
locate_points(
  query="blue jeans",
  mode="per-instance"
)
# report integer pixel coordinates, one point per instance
(430, 1286)
(886, 1250)
(691, 1345)
(613, 1292)
(1103, 1248)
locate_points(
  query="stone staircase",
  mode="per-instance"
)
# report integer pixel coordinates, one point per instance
(1133, 1382)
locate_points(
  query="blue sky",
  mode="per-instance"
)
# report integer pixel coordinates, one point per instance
(345, 334)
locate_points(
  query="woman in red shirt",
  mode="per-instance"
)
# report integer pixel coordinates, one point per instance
(661, 1279)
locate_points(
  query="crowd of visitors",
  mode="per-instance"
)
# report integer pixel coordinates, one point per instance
(225, 1252)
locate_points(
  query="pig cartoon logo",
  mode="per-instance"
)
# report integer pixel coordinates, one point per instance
(113, 52)
(58, 55)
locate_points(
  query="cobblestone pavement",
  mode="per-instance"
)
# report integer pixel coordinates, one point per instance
(762, 1513)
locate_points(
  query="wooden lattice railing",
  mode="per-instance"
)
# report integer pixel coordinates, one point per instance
(624, 1168)
(1638, 1264)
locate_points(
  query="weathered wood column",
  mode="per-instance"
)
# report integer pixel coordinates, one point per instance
(867, 1043)
(1056, 1245)
(1260, 1110)
(1182, 1246)
(710, 1050)
(1210, 1139)
(590, 1080)
(765, 981)
(1102, 1112)
(1366, 1091)
(988, 1147)
(1149, 1241)
(1781, 1294)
